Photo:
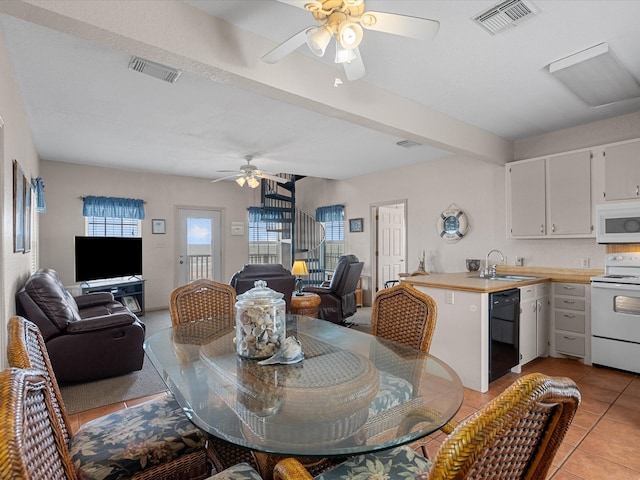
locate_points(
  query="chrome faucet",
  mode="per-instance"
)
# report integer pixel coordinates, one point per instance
(490, 271)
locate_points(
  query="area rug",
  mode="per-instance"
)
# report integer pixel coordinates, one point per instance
(85, 396)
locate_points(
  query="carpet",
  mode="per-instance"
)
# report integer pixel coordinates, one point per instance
(85, 396)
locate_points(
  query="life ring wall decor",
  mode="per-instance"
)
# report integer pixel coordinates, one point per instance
(452, 224)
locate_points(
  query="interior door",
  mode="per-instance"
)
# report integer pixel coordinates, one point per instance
(199, 245)
(391, 242)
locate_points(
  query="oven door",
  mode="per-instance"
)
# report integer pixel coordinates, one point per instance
(615, 311)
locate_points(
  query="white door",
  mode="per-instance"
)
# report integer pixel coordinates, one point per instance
(391, 241)
(199, 249)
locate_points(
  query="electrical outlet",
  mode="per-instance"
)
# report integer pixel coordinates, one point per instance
(519, 262)
(449, 297)
(585, 262)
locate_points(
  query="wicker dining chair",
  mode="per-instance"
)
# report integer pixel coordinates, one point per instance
(515, 436)
(32, 445)
(203, 299)
(152, 440)
(405, 315)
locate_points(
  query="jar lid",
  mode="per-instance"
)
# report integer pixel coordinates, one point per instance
(260, 292)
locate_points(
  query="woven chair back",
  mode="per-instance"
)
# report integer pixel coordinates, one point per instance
(32, 444)
(26, 349)
(203, 299)
(515, 436)
(405, 315)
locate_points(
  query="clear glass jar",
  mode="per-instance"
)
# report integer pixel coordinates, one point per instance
(260, 322)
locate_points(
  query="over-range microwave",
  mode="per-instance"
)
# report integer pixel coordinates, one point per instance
(618, 222)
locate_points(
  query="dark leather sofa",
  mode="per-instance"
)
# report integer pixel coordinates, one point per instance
(338, 299)
(277, 277)
(88, 337)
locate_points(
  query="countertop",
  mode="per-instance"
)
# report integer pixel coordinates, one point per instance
(461, 281)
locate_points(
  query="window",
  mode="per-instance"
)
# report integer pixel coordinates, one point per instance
(333, 219)
(112, 227)
(264, 245)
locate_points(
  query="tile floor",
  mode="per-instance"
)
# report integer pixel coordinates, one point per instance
(602, 443)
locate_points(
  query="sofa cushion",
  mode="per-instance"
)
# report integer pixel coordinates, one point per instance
(131, 440)
(52, 298)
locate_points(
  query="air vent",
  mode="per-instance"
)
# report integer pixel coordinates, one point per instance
(407, 144)
(153, 69)
(506, 14)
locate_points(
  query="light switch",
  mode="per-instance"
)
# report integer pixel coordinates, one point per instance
(449, 297)
(237, 228)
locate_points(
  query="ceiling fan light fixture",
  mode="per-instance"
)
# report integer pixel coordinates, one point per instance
(353, 3)
(241, 181)
(318, 38)
(349, 35)
(344, 55)
(253, 182)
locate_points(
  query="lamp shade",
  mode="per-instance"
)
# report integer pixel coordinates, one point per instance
(300, 268)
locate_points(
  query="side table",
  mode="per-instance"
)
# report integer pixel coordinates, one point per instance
(305, 304)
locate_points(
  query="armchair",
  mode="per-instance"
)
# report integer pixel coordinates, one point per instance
(338, 299)
(277, 277)
(89, 336)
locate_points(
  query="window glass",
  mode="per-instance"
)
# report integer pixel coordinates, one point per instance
(263, 244)
(112, 227)
(334, 245)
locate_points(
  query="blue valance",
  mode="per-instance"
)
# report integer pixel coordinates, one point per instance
(257, 214)
(332, 213)
(38, 187)
(113, 207)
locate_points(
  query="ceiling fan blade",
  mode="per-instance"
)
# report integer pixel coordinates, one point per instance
(407, 26)
(227, 177)
(298, 3)
(272, 177)
(355, 68)
(286, 47)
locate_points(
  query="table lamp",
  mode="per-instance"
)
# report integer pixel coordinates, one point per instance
(299, 268)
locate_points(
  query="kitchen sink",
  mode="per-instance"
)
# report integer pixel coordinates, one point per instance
(506, 278)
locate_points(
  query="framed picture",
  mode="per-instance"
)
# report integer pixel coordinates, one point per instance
(158, 225)
(18, 208)
(28, 192)
(356, 224)
(131, 303)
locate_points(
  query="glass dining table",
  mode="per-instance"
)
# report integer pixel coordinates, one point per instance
(352, 393)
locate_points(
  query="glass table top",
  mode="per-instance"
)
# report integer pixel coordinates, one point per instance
(352, 393)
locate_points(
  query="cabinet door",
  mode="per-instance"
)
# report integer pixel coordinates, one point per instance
(528, 331)
(569, 195)
(622, 171)
(527, 198)
(542, 318)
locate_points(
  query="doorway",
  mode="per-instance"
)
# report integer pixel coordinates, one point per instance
(199, 245)
(389, 242)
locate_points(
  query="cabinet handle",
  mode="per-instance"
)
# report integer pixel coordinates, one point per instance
(569, 301)
(542, 228)
(567, 315)
(637, 190)
(553, 227)
(569, 338)
(569, 287)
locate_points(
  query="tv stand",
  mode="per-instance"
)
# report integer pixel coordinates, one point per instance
(128, 292)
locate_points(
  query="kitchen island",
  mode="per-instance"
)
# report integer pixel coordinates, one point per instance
(461, 337)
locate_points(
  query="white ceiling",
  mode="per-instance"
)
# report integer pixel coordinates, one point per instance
(464, 92)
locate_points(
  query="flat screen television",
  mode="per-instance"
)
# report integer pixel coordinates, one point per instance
(100, 258)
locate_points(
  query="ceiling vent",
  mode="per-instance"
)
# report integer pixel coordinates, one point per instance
(153, 69)
(407, 144)
(506, 14)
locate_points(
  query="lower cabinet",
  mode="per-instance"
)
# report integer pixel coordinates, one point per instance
(571, 320)
(534, 322)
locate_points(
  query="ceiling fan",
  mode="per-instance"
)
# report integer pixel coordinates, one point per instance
(344, 20)
(250, 175)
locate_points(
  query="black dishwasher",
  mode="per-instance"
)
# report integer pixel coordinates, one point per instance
(504, 332)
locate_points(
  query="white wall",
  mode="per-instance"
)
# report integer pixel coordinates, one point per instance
(16, 142)
(65, 183)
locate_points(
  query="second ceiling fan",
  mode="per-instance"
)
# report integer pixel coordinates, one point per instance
(344, 21)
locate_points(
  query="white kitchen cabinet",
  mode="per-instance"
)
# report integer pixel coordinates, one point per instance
(622, 171)
(550, 197)
(534, 322)
(571, 321)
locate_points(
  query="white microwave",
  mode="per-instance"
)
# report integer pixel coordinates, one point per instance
(618, 222)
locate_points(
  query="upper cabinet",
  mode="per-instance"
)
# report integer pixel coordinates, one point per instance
(550, 197)
(622, 171)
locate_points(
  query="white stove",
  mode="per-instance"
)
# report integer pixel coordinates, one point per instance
(615, 313)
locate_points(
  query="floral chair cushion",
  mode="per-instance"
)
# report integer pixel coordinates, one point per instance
(400, 463)
(393, 391)
(241, 471)
(131, 440)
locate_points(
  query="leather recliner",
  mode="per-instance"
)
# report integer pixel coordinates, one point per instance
(338, 299)
(88, 337)
(277, 277)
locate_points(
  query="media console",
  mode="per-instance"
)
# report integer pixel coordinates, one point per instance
(128, 292)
